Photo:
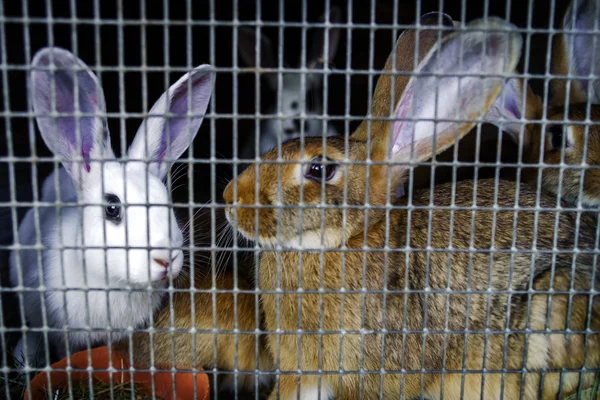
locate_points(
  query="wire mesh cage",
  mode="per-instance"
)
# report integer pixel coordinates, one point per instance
(300, 200)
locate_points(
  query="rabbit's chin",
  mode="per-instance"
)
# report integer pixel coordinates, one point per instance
(310, 240)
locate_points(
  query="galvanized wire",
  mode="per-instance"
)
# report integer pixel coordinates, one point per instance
(346, 72)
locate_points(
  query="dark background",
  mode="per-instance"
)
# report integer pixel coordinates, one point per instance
(188, 47)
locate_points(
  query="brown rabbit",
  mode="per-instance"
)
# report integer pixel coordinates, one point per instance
(398, 326)
(572, 54)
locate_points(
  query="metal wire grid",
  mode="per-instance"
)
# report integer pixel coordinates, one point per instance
(214, 207)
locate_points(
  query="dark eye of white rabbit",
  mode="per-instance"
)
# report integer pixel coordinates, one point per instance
(113, 208)
(556, 137)
(318, 170)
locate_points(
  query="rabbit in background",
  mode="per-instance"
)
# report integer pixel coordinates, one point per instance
(563, 138)
(293, 95)
(117, 228)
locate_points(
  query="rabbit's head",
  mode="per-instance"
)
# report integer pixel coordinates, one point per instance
(564, 136)
(296, 95)
(127, 225)
(318, 193)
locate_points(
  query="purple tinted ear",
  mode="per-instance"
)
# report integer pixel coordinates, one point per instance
(174, 121)
(453, 83)
(515, 105)
(64, 84)
(508, 107)
(583, 58)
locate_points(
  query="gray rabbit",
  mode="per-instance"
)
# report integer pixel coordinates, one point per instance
(292, 95)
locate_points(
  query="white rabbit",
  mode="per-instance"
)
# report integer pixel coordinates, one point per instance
(116, 214)
(292, 95)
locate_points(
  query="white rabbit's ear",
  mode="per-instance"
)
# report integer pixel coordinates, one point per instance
(508, 112)
(317, 53)
(173, 121)
(575, 54)
(249, 53)
(62, 83)
(457, 68)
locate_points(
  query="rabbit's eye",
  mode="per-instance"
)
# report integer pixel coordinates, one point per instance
(556, 137)
(113, 209)
(317, 170)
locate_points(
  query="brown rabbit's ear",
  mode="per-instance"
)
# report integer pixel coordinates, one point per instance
(508, 112)
(575, 54)
(405, 59)
(404, 52)
(427, 123)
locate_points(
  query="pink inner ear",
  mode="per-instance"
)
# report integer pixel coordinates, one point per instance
(400, 126)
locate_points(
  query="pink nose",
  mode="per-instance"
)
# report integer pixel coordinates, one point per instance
(161, 262)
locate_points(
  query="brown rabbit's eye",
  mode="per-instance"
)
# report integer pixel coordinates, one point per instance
(318, 170)
(113, 208)
(556, 137)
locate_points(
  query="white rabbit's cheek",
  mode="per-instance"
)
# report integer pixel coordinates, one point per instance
(94, 224)
(138, 266)
(137, 232)
(159, 225)
(176, 234)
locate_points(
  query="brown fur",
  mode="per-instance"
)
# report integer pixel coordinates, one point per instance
(178, 349)
(573, 156)
(408, 354)
(560, 67)
(573, 153)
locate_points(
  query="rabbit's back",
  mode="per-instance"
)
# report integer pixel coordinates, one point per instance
(477, 278)
(466, 272)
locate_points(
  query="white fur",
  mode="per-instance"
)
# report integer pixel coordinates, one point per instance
(93, 273)
(142, 222)
(570, 136)
(312, 240)
(590, 201)
(314, 393)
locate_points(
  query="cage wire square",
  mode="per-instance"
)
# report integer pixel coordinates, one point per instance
(302, 199)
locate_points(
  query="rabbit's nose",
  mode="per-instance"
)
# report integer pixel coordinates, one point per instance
(161, 262)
